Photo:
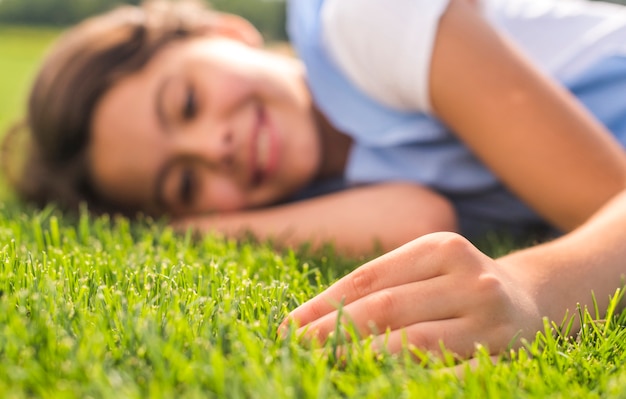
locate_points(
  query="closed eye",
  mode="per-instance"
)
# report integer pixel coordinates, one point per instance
(187, 186)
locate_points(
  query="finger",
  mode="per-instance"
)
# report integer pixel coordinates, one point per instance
(398, 342)
(434, 337)
(438, 338)
(394, 308)
(460, 336)
(422, 259)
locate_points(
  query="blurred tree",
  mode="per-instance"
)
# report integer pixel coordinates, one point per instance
(50, 12)
(267, 15)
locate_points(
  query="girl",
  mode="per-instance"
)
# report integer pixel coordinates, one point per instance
(444, 107)
(436, 115)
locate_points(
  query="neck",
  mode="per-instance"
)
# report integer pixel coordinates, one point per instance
(335, 147)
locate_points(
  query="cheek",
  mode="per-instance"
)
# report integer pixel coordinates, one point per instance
(299, 139)
(305, 152)
(124, 174)
(221, 195)
(303, 164)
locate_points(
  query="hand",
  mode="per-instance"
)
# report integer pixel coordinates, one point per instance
(182, 224)
(437, 288)
(202, 224)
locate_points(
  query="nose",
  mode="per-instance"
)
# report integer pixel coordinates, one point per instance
(211, 144)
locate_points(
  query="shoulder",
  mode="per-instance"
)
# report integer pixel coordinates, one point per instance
(384, 46)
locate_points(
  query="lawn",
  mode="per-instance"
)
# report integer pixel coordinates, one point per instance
(20, 49)
(108, 308)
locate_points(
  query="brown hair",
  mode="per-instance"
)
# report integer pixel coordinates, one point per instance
(84, 63)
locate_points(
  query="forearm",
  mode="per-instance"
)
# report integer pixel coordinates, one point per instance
(291, 226)
(589, 262)
(354, 221)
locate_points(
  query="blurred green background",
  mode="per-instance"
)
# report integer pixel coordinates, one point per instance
(20, 50)
(21, 47)
(267, 15)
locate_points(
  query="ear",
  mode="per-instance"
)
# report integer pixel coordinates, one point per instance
(238, 28)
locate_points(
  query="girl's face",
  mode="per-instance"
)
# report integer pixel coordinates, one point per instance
(210, 124)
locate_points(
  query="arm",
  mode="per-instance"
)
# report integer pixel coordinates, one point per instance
(441, 288)
(353, 220)
(565, 272)
(532, 133)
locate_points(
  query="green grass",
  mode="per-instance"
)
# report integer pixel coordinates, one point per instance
(106, 308)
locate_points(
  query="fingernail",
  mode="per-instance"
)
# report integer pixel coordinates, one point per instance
(283, 329)
(285, 326)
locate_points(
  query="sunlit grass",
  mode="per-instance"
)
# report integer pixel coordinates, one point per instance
(108, 308)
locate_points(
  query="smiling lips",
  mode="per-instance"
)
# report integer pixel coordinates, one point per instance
(264, 149)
